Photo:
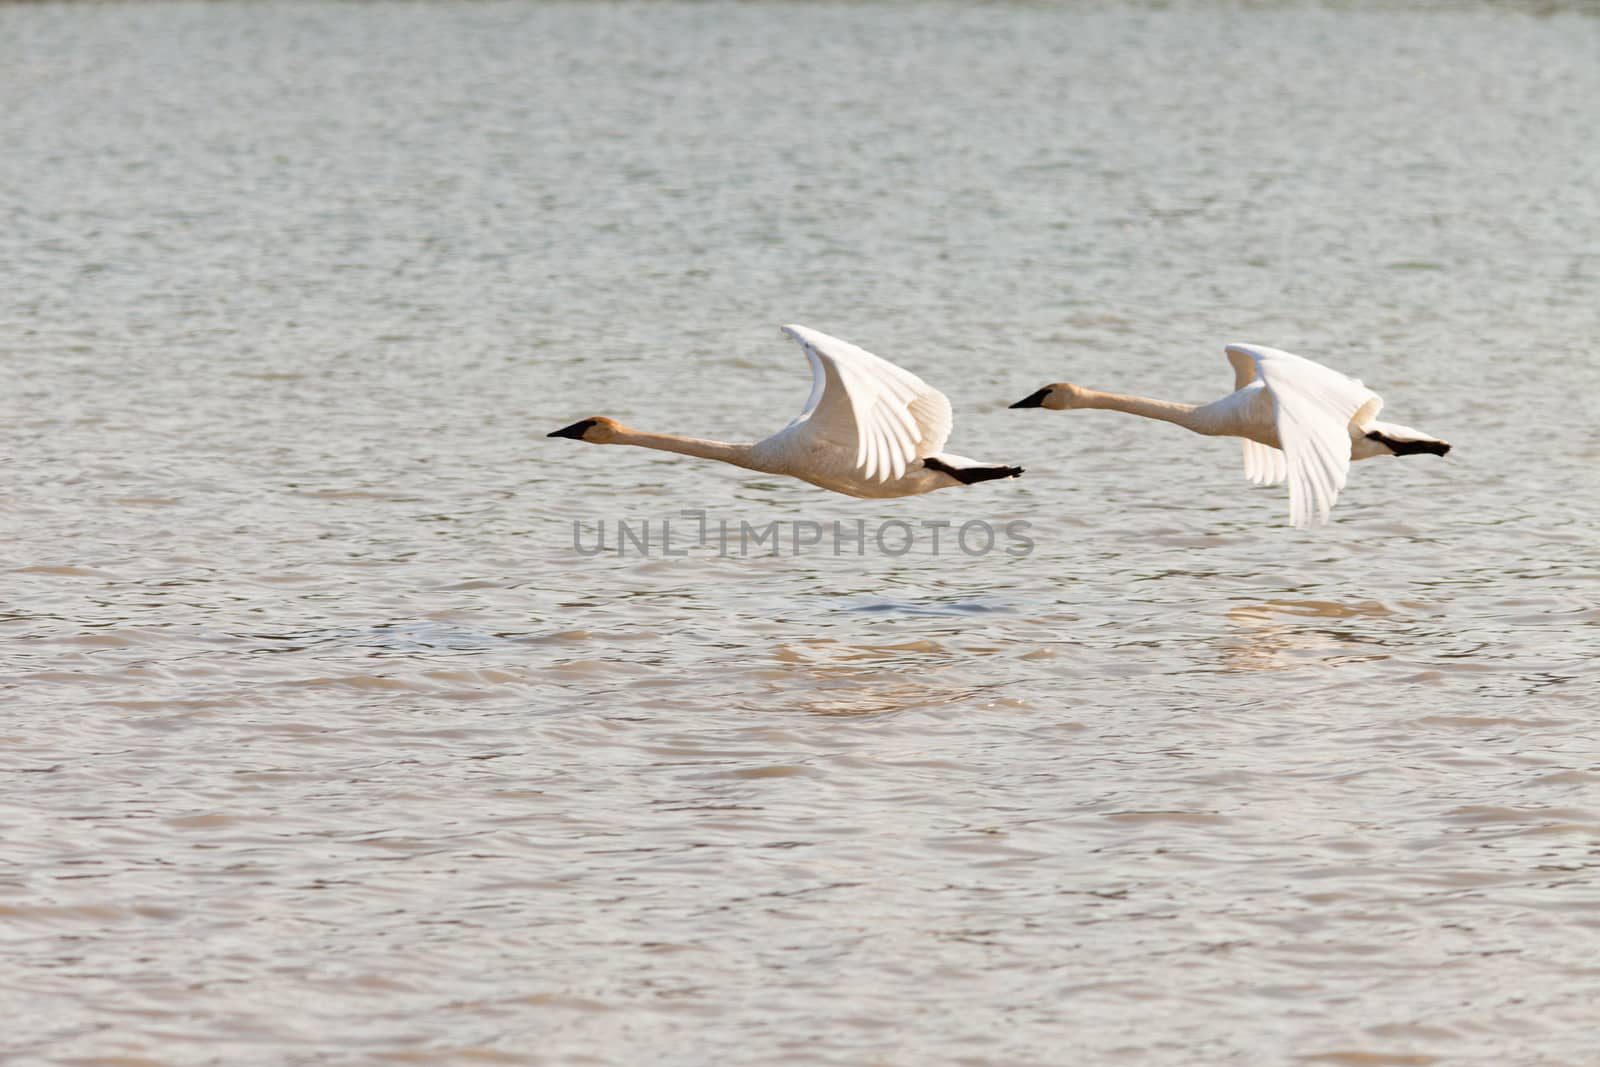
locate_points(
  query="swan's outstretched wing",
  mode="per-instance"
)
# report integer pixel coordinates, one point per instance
(1263, 464)
(883, 416)
(1312, 408)
(1244, 365)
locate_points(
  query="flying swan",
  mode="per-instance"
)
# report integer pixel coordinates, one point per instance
(1299, 420)
(870, 429)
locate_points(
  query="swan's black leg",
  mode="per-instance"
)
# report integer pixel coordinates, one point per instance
(1409, 448)
(968, 475)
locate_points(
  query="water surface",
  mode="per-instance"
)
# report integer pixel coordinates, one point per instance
(322, 743)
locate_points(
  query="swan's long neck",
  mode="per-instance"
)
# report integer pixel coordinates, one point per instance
(1164, 410)
(738, 455)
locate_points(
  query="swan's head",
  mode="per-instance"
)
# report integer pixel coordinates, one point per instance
(597, 431)
(1058, 396)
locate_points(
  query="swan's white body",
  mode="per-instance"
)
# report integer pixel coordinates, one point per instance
(870, 429)
(1301, 422)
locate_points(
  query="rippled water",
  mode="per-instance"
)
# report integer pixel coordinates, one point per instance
(324, 744)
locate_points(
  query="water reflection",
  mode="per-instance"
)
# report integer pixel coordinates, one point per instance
(841, 679)
(1274, 635)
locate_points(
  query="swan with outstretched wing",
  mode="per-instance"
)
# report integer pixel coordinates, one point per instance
(869, 429)
(1301, 422)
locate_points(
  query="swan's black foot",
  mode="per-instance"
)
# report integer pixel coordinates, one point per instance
(1409, 448)
(969, 475)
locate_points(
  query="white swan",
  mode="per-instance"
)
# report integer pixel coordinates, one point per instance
(1299, 420)
(870, 429)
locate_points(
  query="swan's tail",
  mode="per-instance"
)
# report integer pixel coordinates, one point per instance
(969, 475)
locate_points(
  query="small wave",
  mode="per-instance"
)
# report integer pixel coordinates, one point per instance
(904, 607)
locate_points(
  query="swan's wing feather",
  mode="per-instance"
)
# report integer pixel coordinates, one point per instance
(1312, 409)
(1244, 367)
(1263, 464)
(819, 382)
(884, 416)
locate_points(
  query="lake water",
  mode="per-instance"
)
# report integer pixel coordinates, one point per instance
(323, 742)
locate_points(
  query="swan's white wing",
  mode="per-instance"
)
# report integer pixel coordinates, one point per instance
(819, 382)
(1313, 406)
(1244, 366)
(883, 416)
(1263, 464)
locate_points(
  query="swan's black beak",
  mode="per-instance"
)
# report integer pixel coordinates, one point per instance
(1033, 400)
(575, 431)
